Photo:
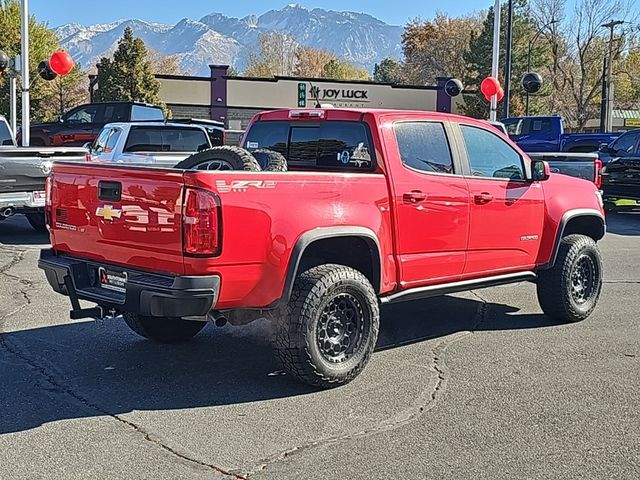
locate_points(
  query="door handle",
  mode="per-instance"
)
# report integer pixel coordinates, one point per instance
(414, 196)
(483, 198)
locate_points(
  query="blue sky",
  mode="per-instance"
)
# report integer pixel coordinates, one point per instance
(86, 12)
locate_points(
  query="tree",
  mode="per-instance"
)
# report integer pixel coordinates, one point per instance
(129, 75)
(388, 70)
(578, 46)
(478, 58)
(310, 62)
(165, 64)
(44, 96)
(437, 48)
(276, 56)
(69, 91)
(339, 69)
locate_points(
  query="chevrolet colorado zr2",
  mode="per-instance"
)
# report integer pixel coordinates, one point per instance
(375, 207)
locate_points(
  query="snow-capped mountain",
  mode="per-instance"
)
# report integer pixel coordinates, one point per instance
(216, 38)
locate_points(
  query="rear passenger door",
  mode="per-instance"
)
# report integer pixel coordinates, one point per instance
(507, 209)
(431, 203)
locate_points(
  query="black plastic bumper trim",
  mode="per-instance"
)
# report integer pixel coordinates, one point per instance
(147, 294)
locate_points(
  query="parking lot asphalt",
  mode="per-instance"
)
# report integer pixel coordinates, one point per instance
(476, 385)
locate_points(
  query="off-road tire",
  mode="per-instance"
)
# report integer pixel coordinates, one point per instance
(235, 157)
(555, 285)
(269, 160)
(37, 221)
(163, 329)
(296, 328)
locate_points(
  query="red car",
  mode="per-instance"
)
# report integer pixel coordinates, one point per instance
(377, 207)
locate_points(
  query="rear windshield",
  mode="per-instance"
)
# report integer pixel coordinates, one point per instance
(331, 144)
(166, 139)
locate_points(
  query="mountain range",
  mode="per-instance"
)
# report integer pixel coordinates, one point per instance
(218, 39)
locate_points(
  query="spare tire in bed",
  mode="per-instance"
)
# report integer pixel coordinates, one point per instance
(269, 160)
(221, 158)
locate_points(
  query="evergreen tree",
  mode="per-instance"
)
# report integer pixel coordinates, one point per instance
(387, 71)
(129, 75)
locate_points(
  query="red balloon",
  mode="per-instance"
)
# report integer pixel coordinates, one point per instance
(489, 87)
(61, 62)
(500, 94)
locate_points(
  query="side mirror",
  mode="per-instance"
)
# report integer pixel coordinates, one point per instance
(604, 147)
(540, 170)
(87, 146)
(60, 119)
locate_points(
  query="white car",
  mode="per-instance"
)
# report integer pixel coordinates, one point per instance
(164, 144)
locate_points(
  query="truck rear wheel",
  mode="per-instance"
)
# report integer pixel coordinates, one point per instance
(330, 327)
(221, 158)
(37, 221)
(569, 291)
(163, 329)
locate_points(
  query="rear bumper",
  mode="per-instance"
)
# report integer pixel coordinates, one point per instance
(147, 294)
(22, 200)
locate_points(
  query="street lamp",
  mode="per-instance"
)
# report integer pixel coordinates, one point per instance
(531, 42)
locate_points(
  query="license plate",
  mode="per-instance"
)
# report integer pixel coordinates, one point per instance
(114, 281)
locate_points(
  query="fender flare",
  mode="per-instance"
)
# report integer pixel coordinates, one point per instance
(322, 233)
(568, 216)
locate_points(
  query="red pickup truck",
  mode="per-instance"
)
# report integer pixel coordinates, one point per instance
(376, 207)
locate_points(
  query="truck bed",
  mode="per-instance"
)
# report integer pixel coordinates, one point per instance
(133, 218)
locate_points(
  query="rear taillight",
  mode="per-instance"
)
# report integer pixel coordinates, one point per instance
(201, 223)
(47, 200)
(598, 167)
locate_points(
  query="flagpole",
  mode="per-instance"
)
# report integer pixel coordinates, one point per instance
(496, 57)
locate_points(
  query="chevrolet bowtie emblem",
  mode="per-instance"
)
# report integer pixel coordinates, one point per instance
(108, 212)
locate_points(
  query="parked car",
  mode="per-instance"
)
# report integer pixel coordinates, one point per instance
(23, 172)
(157, 143)
(626, 145)
(546, 134)
(82, 124)
(378, 207)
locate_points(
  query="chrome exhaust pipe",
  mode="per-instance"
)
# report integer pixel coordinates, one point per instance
(8, 212)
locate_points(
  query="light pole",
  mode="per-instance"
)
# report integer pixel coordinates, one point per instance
(24, 71)
(609, 107)
(531, 42)
(495, 57)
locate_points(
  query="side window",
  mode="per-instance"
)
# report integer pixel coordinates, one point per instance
(101, 141)
(424, 146)
(112, 141)
(490, 156)
(626, 143)
(116, 113)
(143, 113)
(83, 115)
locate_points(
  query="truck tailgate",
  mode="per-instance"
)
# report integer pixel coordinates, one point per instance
(579, 165)
(24, 169)
(88, 199)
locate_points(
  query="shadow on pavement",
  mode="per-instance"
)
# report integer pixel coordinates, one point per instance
(624, 223)
(17, 231)
(103, 364)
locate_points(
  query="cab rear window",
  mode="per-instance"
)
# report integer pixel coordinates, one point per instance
(335, 145)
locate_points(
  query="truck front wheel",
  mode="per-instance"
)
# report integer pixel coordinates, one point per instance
(163, 329)
(330, 327)
(569, 291)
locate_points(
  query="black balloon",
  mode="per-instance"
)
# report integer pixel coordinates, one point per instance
(531, 82)
(44, 70)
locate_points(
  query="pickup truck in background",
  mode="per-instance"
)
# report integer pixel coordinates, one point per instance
(546, 134)
(83, 123)
(159, 143)
(23, 172)
(621, 172)
(377, 207)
